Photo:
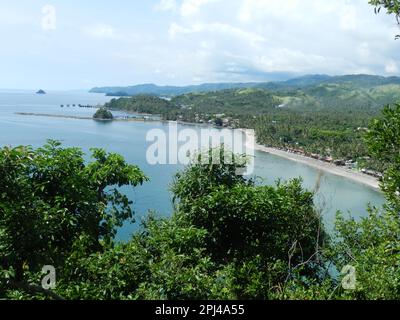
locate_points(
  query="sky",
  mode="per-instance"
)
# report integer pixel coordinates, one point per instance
(62, 45)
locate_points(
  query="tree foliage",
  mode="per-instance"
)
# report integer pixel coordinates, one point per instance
(384, 144)
(103, 114)
(50, 198)
(254, 228)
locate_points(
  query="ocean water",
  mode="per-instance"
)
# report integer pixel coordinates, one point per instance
(129, 139)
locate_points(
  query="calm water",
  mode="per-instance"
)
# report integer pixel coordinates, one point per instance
(129, 139)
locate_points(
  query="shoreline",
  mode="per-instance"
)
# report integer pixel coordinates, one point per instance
(356, 176)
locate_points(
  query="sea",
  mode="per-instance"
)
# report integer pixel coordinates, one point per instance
(333, 193)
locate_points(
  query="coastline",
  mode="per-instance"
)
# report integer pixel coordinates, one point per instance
(356, 176)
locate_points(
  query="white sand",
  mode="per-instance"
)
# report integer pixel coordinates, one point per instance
(354, 175)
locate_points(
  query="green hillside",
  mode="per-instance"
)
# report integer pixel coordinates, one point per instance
(328, 118)
(142, 104)
(233, 102)
(303, 82)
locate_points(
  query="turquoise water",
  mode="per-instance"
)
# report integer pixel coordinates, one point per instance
(129, 139)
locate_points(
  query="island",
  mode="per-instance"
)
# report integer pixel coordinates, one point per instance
(41, 92)
(103, 114)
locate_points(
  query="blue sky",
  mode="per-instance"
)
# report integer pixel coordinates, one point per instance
(81, 44)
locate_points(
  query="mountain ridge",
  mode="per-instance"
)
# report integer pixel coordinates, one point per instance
(302, 82)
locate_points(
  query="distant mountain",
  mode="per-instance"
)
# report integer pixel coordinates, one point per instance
(364, 80)
(153, 89)
(304, 82)
(41, 92)
(307, 80)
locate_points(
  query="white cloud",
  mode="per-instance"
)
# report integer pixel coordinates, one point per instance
(181, 41)
(364, 51)
(175, 29)
(101, 31)
(249, 36)
(392, 67)
(252, 40)
(258, 37)
(166, 5)
(296, 61)
(186, 9)
(49, 19)
(12, 17)
(253, 9)
(106, 31)
(217, 28)
(191, 7)
(348, 19)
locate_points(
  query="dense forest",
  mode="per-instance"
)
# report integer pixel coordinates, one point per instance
(327, 119)
(142, 104)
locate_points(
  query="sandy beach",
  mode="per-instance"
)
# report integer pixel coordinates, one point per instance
(317, 164)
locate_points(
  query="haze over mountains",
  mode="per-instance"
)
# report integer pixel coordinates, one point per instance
(360, 81)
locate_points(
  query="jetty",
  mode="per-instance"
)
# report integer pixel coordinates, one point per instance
(124, 119)
(80, 106)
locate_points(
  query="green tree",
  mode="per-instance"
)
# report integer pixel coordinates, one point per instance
(383, 140)
(370, 245)
(103, 114)
(268, 234)
(50, 198)
(163, 260)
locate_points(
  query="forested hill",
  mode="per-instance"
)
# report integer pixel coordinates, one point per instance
(340, 93)
(327, 118)
(153, 89)
(240, 102)
(356, 81)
